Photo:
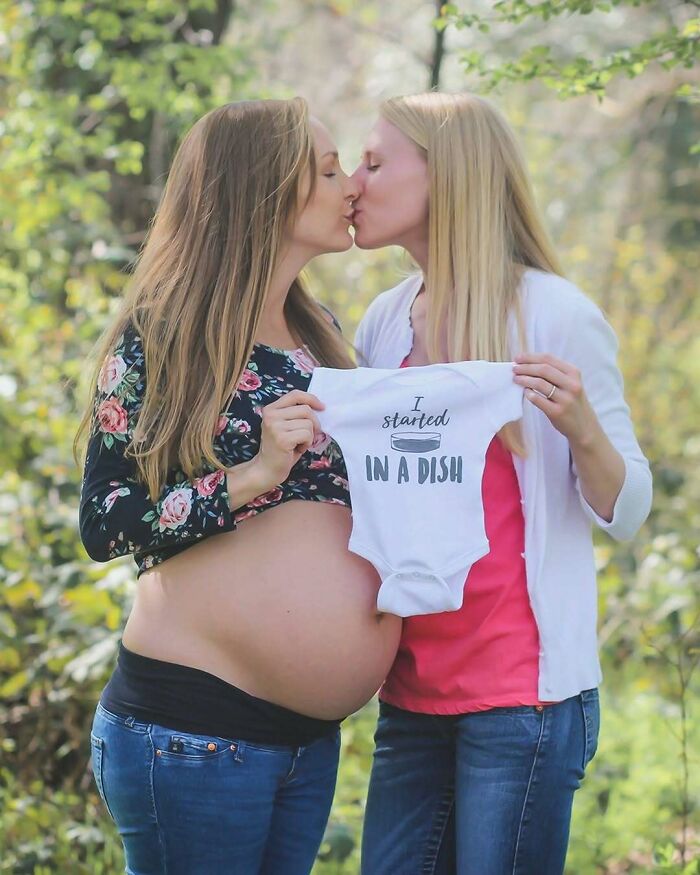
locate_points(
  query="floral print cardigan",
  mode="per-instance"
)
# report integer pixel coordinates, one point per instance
(117, 515)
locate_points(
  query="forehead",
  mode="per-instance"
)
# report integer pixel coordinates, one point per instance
(323, 142)
(386, 137)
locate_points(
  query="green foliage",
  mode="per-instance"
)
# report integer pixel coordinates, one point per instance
(567, 74)
(95, 97)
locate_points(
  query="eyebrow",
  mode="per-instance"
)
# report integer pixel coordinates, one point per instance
(334, 154)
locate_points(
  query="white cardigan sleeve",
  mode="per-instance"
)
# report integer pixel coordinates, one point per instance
(592, 347)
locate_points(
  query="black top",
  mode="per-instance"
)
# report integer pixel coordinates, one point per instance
(117, 515)
(191, 700)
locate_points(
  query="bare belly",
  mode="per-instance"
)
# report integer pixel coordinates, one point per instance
(279, 608)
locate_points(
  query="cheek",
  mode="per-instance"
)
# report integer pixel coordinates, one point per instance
(321, 222)
(328, 202)
(397, 200)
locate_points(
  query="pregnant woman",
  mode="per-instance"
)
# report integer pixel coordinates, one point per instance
(489, 715)
(254, 631)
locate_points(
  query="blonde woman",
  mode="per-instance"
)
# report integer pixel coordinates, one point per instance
(489, 715)
(254, 631)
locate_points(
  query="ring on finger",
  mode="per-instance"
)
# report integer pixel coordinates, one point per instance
(551, 394)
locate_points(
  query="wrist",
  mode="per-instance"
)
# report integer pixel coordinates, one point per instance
(589, 440)
(245, 481)
(258, 477)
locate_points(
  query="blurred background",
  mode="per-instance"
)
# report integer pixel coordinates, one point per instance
(94, 96)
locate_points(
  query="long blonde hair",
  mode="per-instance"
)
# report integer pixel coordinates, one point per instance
(202, 280)
(484, 226)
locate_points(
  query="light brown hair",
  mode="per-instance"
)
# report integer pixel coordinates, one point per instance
(238, 180)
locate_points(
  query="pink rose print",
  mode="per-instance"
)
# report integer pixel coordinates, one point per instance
(320, 443)
(250, 381)
(112, 417)
(302, 361)
(221, 424)
(111, 374)
(113, 496)
(317, 464)
(266, 498)
(241, 425)
(206, 485)
(175, 509)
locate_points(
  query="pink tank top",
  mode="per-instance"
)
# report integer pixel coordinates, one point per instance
(486, 654)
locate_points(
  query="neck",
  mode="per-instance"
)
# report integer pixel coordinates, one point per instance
(273, 325)
(417, 248)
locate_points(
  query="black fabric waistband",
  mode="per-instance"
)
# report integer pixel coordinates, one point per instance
(191, 700)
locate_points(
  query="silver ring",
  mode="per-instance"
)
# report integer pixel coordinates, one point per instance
(551, 394)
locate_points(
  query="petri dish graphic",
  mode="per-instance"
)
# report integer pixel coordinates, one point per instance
(415, 441)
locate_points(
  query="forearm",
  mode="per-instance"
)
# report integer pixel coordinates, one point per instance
(601, 471)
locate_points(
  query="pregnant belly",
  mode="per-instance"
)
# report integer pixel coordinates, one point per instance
(279, 608)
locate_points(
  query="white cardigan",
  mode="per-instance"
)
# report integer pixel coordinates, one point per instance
(559, 561)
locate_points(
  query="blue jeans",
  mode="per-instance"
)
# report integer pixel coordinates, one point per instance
(487, 793)
(189, 804)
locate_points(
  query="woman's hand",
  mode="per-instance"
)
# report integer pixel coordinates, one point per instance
(289, 428)
(557, 389)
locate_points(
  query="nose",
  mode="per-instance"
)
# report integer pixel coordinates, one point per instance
(357, 177)
(352, 188)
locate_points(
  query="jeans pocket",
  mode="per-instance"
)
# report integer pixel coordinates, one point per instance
(590, 709)
(190, 747)
(97, 748)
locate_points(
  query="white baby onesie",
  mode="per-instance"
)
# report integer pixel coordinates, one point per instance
(414, 442)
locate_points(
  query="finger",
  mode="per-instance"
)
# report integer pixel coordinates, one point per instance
(298, 439)
(293, 436)
(546, 372)
(296, 396)
(280, 429)
(298, 411)
(546, 359)
(544, 387)
(547, 407)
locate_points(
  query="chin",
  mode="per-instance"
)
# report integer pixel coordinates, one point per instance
(363, 242)
(349, 243)
(340, 245)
